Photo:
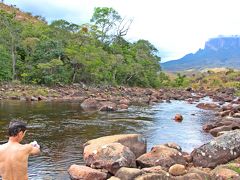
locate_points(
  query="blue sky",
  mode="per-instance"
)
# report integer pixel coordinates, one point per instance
(175, 27)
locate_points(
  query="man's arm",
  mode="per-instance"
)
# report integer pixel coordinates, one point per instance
(33, 150)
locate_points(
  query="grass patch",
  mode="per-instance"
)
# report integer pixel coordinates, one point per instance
(13, 93)
(234, 168)
(40, 91)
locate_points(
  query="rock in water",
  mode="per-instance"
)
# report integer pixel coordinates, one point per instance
(178, 118)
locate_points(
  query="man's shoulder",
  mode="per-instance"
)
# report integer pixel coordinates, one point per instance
(3, 146)
(26, 146)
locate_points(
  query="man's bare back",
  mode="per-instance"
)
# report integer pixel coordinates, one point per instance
(14, 158)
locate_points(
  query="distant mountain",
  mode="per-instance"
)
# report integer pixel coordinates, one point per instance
(218, 52)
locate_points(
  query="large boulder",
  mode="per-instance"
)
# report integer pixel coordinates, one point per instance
(85, 173)
(218, 151)
(111, 157)
(135, 142)
(222, 124)
(215, 131)
(163, 156)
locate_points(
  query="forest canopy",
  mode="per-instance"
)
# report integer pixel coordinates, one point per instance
(62, 52)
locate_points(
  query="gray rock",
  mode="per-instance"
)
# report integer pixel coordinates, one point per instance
(218, 151)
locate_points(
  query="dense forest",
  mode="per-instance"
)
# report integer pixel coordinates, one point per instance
(97, 53)
(35, 52)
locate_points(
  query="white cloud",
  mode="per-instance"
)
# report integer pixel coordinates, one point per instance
(173, 26)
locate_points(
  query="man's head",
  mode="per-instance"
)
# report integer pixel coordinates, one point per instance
(16, 127)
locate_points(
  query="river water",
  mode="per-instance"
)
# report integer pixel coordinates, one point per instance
(61, 128)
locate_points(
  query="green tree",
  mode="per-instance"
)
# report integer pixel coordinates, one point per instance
(164, 80)
(10, 30)
(64, 25)
(180, 81)
(5, 64)
(105, 19)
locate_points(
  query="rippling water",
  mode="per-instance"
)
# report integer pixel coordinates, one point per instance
(61, 128)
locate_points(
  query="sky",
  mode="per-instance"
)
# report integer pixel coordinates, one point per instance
(174, 27)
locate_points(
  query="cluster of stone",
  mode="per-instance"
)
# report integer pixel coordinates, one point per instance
(124, 157)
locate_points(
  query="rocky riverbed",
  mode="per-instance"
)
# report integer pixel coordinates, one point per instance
(125, 156)
(113, 98)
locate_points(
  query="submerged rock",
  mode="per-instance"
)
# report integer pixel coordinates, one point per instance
(89, 104)
(107, 106)
(178, 118)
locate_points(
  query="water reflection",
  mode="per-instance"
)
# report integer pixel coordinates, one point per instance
(61, 128)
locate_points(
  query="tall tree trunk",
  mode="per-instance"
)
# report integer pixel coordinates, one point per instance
(74, 74)
(13, 51)
(74, 77)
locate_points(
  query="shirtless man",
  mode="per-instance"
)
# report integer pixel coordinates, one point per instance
(13, 155)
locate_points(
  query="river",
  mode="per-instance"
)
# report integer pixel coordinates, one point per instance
(61, 128)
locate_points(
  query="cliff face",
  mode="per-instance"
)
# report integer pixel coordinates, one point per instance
(220, 43)
(218, 52)
(20, 15)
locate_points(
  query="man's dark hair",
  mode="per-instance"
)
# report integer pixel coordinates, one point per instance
(15, 127)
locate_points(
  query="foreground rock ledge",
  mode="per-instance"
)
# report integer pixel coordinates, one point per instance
(108, 158)
(218, 151)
